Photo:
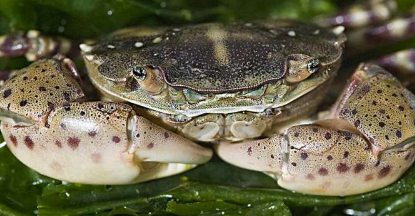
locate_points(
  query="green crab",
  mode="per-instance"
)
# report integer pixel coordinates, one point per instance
(233, 84)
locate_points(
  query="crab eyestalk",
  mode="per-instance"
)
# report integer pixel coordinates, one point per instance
(367, 137)
(86, 142)
(300, 67)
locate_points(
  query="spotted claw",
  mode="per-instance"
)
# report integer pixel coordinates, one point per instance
(363, 144)
(48, 127)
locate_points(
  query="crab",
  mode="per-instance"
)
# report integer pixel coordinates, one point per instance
(163, 89)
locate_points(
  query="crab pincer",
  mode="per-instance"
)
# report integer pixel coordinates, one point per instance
(49, 127)
(363, 144)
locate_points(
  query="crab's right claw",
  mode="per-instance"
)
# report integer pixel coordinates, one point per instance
(365, 143)
(86, 142)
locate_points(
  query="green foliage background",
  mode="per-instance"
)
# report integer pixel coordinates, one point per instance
(215, 188)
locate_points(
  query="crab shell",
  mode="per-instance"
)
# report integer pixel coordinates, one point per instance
(218, 81)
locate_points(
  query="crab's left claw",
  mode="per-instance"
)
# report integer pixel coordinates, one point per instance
(47, 129)
(365, 143)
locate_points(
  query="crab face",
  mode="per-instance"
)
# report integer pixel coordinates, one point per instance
(212, 71)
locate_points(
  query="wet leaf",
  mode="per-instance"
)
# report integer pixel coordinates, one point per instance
(89, 19)
(275, 208)
(19, 186)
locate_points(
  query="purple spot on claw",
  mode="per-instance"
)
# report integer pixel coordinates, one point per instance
(14, 140)
(23, 103)
(323, 171)
(58, 144)
(73, 142)
(384, 171)
(249, 151)
(358, 168)
(7, 93)
(116, 139)
(29, 142)
(342, 168)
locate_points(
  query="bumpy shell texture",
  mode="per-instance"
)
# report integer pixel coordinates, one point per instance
(218, 57)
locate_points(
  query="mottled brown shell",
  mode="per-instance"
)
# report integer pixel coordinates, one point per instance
(218, 57)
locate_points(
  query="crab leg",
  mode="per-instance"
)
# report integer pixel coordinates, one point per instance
(34, 46)
(362, 14)
(393, 30)
(364, 143)
(400, 64)
(49, 129)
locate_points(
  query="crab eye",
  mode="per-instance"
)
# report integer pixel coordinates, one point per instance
(313, 65)
(300, 67)
(140, 73)
(149, 79)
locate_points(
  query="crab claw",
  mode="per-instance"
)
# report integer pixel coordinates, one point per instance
(365, 143)
(86, 142)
